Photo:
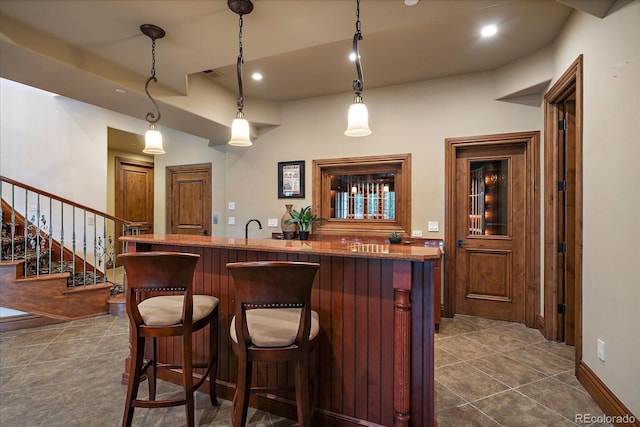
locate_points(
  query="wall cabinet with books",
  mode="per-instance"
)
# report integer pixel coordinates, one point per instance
(363, 195)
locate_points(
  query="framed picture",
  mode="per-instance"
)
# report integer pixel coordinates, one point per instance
(291, 180)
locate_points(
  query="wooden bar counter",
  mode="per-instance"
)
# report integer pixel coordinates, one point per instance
(376, 309)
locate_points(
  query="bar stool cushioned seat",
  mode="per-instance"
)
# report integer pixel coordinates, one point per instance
(274, 322)
(275, 327)
(160, 303)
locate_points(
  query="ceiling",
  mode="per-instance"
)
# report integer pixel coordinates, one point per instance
(87, 49)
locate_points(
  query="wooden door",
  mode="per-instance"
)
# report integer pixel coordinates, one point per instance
(490, 229)
(134, 193)
(189, 199)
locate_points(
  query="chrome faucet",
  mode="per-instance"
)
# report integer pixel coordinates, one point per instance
(246, 227)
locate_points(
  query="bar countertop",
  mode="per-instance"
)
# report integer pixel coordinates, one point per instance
(351, 247)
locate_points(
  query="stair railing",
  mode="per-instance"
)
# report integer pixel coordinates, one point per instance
(58, 235)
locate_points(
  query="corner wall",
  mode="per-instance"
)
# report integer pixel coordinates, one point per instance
(611, 159)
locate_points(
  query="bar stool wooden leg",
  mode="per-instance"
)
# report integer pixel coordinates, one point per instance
(187, 369)
(302, 392)
(213, 351)
(241, 396)
(135, 371)
(152, 375)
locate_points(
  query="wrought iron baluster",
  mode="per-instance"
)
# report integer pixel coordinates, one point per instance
(84, 248)
(73, 244)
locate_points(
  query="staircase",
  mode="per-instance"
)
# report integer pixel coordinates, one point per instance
(58, 257)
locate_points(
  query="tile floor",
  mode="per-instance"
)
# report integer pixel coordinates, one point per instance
(488, 373)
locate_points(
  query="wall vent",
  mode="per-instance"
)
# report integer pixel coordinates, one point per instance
(212, 74)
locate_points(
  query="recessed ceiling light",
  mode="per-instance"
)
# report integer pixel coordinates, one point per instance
(256, 76)
(411, 2)
(120, 90)
(489, 31)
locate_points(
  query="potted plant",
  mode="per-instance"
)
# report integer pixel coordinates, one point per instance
(305, 220)
(394, 237)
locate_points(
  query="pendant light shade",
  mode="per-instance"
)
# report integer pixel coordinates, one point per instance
(358, 118)
(240, 132)
(153, 137)
(153, 141)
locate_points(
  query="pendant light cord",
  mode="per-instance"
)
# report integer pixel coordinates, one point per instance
(151, 118)
(240, 100)
(358, 84)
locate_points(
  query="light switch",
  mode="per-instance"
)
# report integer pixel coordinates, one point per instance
(272, 222)
(433, 226)
(232, 206)
(232, 220)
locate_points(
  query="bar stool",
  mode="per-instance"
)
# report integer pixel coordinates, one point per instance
(160, 303)
(274, 322)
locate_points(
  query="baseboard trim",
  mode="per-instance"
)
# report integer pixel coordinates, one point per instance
(25, 321)
(603, 396)
(540, 323)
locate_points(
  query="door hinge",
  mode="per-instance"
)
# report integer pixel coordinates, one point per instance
(562, 247)
(562, 124)
(562, 309)
(562, 185)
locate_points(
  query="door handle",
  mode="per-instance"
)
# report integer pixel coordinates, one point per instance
(205, 233)
(460, 243)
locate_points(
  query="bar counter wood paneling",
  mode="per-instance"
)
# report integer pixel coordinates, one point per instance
(376, 307)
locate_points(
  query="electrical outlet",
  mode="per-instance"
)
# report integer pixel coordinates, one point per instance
(232, 206)
(232, 220)
(433, 226)
(416, 233)
(272, 222)
(601, 350)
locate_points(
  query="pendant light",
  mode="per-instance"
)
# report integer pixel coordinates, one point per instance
(358, 121)
(153, 137)
(240, 135)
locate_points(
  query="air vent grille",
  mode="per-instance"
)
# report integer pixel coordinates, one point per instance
(212, 74)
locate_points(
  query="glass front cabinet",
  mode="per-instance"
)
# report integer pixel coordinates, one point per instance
(363, 195)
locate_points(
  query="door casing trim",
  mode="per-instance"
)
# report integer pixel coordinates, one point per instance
(531, 139)
(568, 84)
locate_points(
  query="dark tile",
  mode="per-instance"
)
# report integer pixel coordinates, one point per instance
(456, 326)
(496, 340)
(76, 349)
(521, 332)
(443, 357)
(559, 349)
(445, 398)
(561, 397)
(468, 382)
(464, 416)
(569, 377)
(506, 370)
(34, 337)
(19, 356)
(511, 408)
(37, 391)
(539, 359)
(464, 348)
(484, 323)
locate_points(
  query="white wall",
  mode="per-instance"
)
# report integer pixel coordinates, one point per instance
(414, 118)
(611, 163)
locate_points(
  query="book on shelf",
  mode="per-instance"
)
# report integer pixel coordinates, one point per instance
(389, 205)
(358, 206)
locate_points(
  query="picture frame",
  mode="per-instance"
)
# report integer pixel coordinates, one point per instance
(291, 180)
